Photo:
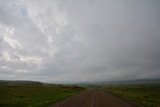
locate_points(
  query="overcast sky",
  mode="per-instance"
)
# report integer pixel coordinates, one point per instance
(79, 40)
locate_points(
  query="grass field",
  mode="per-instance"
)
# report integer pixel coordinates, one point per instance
(34, 95)
(143, 95)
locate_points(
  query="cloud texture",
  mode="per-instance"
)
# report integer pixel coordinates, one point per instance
(79, 41)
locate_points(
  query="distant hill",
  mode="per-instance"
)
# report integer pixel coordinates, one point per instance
(124, 82)
(27, 82)
(19, 82)
(138, 81)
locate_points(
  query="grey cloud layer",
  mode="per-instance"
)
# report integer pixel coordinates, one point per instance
(79, 41)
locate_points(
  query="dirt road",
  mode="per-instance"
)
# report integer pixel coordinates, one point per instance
(93, 98)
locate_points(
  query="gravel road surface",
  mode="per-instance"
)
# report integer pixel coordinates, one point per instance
(93, 98)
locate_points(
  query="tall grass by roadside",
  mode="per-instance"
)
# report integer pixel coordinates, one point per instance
(34, 95)
(144, 95)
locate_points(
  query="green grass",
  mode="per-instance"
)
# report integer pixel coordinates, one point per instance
(34, 95)
(144, 95)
